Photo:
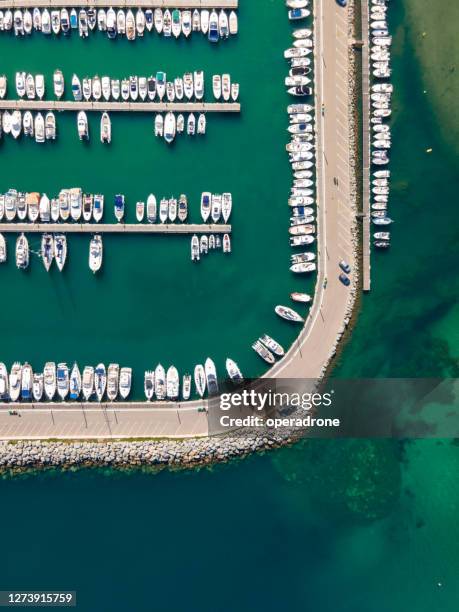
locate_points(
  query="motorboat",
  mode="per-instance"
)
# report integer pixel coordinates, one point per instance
(73, 19)
(299, 230)
(36, 19)
(160, 382)
(26, 382)
(3, 382)
(119, 203)
(100, 381)
(88, 382)
(200, 379)
(115, 88)
(88, 203)
(272, 345)
(180, 124)
(172, 210)
(160, 84)
(169, 127)
(60, 250)
(226, 87)
(303, 267)
(216, 207)
(3, 86)
(205, 17)
(151, 208)
(233, 23)
(196, 21)
(16, 124)
(151, 88)
(234, 91)
(3, 250)
(121, 22)
(113, 374)
(92, 18)
(186, 387)
(87, 88)
(30, 87)
(75, 382)
(149, 19)
(158, 20)
(125, 380)
(295, 52)
(47, 250)
(58, 84)
(206, 198)
(233, 371)
(76, 206)
(22, 252)
(213, 33)
(191, 124)
(263, 352)
(98, 207)
(381, 220)
(140, 22)
(303, 298)
(204, 245)
(96, 88)
(188, 85)
(182, 211)
(15, 381)
(217, 86)
(82, 125)
(111, 24)
(95, 253)
(102, 20)
(27, 124)
(186, 23)
(62, 377)
(226, 243)
(6, 122)
(50, 126)
(49, 380)
(140, 211)
(20, 80)
(40, 86)
(172, 383)
(211, 376)
(176, 22)
(300, 90)
(195, 250)
(130, 25)
(37, 387)
(83, 25)
(106, 89)
(288, 314)
(167, 23)
(76, 88)
(105, 128)
(143, 88)
(149, 384)
(223, 28)
(163, 210)
(226, 207)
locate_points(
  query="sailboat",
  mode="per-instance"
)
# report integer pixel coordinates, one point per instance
(211, 376)
(47, 250)
(200, 379)
(100, 381)
(60, 250)
(75, 382)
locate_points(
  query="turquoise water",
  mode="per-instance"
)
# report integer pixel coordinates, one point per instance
(355, 526)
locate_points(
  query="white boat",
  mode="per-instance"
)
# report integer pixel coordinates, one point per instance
(182, 211)
(76, 88)
(6, 122)
(204, 21)
(20, 80)
(119, 207)
(96, 88)
(227, 205)
(140, 22)
(172, 383)
(176, 22)
(30, 87)
(95, 253)
(160, 382)
(139, 211)
(213, 34)
(3, 86)
(16, 124)
(62, 380)
(233, 371)
(186, 387)
(87, 206)
(98, 207)
(102, 20)
(22, 252)
(172, 210)
(158, 19)
(169, 127)
(217, 86)
(49, 380)
(75, 382)
(83, 26)
(195, 250)
(40, 86)
(50, 126)
(47, 250)
(289, 314)
(15, 381)
(149, 384)
(263, 352)
(54, 210)
(272, 345)
(88, 382)
(106, 89)
(233, 23)
(87, 88)
(191, 124)
(100, 381)
(163, 210)
(3, 251)
(180, 124)
(198, 79)
(121, 22)
(234, 91)
(226, 87)
(143, 87)
(211, 376)
(149, 19)
(161, 78)
(60, 250)
(204, 245)
(82, 125)
(216, 207)
(298, 13)
(37, 387)
(105, 128)
(130, 25)
(200, 379)
(186, 23)
(196, 21)
(223, 29)
(226, 243)
(58, 84)
(125, 382)
(111, 24)
(188, 85)
(206, 198)
(26, 382)
(113, 374)
(36, 19)
(3, 382)
(115, 88)
(151, 208)
(159, 125)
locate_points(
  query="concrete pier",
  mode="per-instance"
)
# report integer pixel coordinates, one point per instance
(366, 136)
(116, 228)
(100, 106)
(180, 4)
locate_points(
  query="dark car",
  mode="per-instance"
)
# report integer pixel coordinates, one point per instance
(342, 2)
(344, 279)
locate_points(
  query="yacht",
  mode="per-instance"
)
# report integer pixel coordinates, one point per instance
(143, 88)
(205, 16)
(180, 124)
(64, 204)
(113, 373)
(204, 245)
(272, 345)
(289, 314)
(106, 89)
(3, 382)
(196, 21)
(73, 19)
(160, 84)
(83, 26)
(102, 20)
(188, 85)
(149, 384)
(119, 207)
(149, 19)
(60, 250)
(216, 207)
(213, 34)
(21, 83)
(211, 376)
(234, 91)
(50, 126)
(125, 378)
(36, 19)
(6, 122)
(160, 382)
(115, 89)
(158, 20)
(169, 127)
(167, 23)
(49, 380)
(32, 205)
(54, 210)
(18, 23)
(163, 210)
(263, 352)
(133, 88)
(15, 381)
(88, 382)
(172, 383)
(100, 381)
(62, 378)
(30, 87)
(3, 252)
(21, 206)
(172, 210)
(303, 267)
(40, 86)
(233, 371)
(191, 124)
(151, 208)
(198, 79)
(130, 25)
(233, 23)
(3, 86)
(87, 88)
(75, 382)
(58, 84)
(96, 88)
(28, 22)
(186, 23)
(105, 128)
(201, 125)
(47, 250)
(206, 198)
(186, 387)
(26, 382)
(217, 86)
(227, 205)
(22, 252)
(170, 91)
(121, 22)
(176, 22)
(111, 24)
(182, 208)
(200, 379)
(226, 87)
(125, 92)
(95, 253)
(76, 88)
(98, 207)
(151, 88)
(140, 211)
(195, 251)
(226, 243)
(75, 204)
(88, 203)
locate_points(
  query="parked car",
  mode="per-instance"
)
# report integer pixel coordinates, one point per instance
(344, 279)
(345, 267)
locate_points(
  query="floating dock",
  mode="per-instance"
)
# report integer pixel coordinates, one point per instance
(117, 228)
(101, 106)
(180, 4)
(366, 136)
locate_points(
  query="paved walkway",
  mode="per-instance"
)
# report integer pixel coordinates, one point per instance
(136, 107)
(117, 228)
(192, 4)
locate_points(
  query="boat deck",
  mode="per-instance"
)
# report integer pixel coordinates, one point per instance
(142, 107)
(117, 228)
(191, 4)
